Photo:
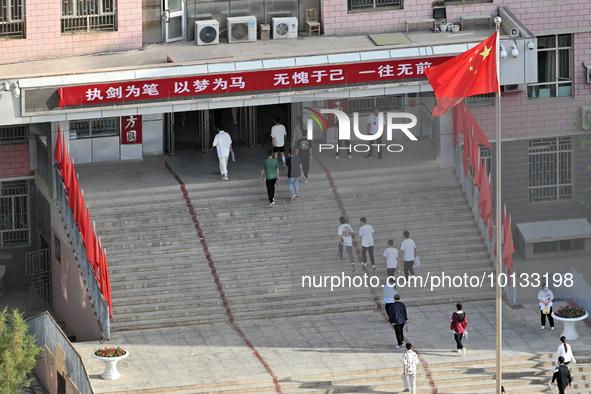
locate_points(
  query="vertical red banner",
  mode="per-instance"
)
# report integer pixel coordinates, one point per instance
(131, 129)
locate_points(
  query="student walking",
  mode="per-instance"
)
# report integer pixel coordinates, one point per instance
(389, 293)
(223, 143)
(366, 234)
(409, 251)
(278, 137)
(565, 351)
(391, 258)
(545, 296)
(373, 126)
(561, 376)
(270, 170)
(304, 151)
(459, 321)
(410, 360)
(398, 319)
(345, 233)
(294, 171)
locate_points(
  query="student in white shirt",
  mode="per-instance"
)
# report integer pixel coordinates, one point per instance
(345, 233)
(411, 360)
(545, 296)
(565, 350)
(278, 137)
(366, 234)
(391, 258)
(409, 251)
(223, 143)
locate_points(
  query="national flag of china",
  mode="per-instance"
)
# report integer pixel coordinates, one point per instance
(472, 72)
(508, 248)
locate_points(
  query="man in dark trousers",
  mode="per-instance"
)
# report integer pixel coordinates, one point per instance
(304, 151)
(398, 318)
(562, 376)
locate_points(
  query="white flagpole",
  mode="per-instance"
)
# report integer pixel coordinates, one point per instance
(499, 293)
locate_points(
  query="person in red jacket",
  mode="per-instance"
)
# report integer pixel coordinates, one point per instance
(459, 321)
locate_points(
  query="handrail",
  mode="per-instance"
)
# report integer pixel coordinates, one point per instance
(100, 304)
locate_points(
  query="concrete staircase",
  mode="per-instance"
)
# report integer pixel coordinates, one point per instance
(524, 375)
(160, 276)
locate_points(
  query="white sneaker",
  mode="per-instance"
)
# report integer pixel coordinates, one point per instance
(552, 329)
(349, 156)
(225, 178)
(459, 351)
(306, 180)
(543, 327)
(273, 203)
(336, 157)
(294, 196)
(464, 351)
(398, 347)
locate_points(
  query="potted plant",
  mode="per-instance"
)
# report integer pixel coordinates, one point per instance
(455, 28)
(569, 315)
(443, 26)
(110, 356)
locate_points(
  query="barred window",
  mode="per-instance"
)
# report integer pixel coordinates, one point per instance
(14, 134)
(550, 169)
(81, 16)
(12, 19)
(14, 213)
(367, 104)
(480, 100)
(95, 127)
(555, 77)
(367, 4)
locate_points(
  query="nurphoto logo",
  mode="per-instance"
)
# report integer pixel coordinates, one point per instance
(385, 128)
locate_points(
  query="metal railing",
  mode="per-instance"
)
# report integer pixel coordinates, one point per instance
(47, 333)
(89, 15)
(360, 4)
(473, 195)
(15, 229)
(14, 134)
(100, 304)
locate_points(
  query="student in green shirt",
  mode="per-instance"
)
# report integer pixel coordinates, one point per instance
(270, 170)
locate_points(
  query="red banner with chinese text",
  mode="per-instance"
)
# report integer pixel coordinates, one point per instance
(239, 82)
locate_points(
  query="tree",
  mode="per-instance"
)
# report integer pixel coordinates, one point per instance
(584, 123)
(17, 352)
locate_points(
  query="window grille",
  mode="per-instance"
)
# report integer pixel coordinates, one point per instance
(364, 4)
(14, 213)
(550, 169)
(95, 127)
(14, 134)
(12, 19)
(367, 104)
(480, 100)
(81, 16)
(554, 67)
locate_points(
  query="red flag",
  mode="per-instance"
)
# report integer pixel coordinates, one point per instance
(467, 150)
(475, 160)
(73, 191)
(89, 243)
(473, 125)
(508, 248)
(80, 214)
(58, 155)
(484, 199)
(472, 72)
(106, 283)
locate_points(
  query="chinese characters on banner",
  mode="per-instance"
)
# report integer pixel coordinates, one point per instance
(215, 84)
(131, 129)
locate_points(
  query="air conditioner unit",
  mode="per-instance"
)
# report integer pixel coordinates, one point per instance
(514, 88)
(285, 28)
(242, 29)
(207, 32)
(588, 73)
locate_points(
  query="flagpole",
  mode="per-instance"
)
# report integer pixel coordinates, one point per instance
(499, 294)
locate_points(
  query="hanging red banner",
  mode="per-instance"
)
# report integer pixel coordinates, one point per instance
(286, 79)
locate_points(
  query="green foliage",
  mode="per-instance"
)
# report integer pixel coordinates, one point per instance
(17, 352)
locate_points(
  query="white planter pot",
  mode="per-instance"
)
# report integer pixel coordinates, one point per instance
(570, 332)
(455, 28)
(443, 27)
(111, 372)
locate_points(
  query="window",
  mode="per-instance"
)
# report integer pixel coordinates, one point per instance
(367, 104)
(14, 134)
(365, 4)
(81, 16)
(14, 213)
(466, 2)
(556, 246)
(480, 100)
(95, 127)
(550, 169)
(12, 18)
(554, 67)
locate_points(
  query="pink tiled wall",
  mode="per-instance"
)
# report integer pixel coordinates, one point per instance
(45, 40)
(14, 160)
(548, 15)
